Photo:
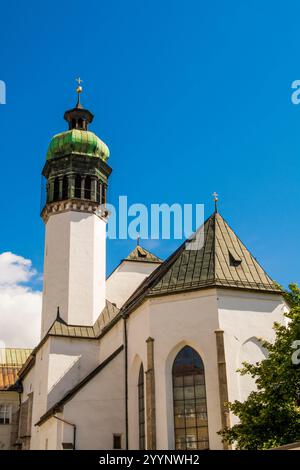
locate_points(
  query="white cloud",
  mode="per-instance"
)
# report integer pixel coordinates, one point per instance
(20, 305)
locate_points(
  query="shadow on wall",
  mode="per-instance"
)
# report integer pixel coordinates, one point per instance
(67, 380)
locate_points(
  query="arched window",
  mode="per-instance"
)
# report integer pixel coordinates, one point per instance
(56, 189)
(189, 401)
(87, 187)
(65, 187)
(141, 403)
(77, 186)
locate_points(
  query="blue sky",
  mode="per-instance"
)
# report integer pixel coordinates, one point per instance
(191, 97)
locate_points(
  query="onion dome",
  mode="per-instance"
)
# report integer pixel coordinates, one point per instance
(77, 141)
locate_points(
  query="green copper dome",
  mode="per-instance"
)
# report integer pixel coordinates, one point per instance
(77, 141)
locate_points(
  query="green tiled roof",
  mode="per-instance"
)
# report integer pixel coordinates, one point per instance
(60, 328)
(141, 254)
(79, 142)
(222, 260)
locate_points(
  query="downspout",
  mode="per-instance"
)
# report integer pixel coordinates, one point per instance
(70, 424)
(18, 442)
(126, 379)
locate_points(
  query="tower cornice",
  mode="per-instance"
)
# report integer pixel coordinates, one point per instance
(77, 205)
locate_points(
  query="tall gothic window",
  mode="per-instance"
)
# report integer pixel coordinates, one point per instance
(141, 400)
(189, 401)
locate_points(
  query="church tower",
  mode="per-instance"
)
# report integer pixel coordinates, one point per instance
(74, 214)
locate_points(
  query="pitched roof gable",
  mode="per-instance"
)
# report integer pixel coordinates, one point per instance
(223, 260)
(61, 328)
(141, 254)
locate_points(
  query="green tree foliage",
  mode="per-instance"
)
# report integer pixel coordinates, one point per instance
(270, 416)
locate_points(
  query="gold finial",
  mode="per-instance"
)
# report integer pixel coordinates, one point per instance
(216, 198)
(79, 88)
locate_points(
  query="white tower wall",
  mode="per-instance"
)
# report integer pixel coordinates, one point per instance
(74, 268)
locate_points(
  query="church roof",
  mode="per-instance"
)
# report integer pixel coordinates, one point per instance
(11, 361)
(141, 254)
(13, 356)
(214, 257)
(60, 328)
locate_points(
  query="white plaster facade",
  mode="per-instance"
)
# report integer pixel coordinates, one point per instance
(126, 278)
(173, 321)
(8, 432)
(246, 317)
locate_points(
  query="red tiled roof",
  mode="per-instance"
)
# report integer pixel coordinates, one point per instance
(8, 376)
(11, 361)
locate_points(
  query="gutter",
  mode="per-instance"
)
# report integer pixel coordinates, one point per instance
(70, 424)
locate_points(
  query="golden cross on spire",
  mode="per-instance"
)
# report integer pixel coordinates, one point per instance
(216, 198)
(79, 88)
